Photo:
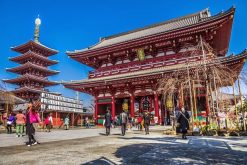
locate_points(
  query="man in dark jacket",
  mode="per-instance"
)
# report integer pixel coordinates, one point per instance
(123, 122)
(108, 121)
(183, 120)
(146, 122)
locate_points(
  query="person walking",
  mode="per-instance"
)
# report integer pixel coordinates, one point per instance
(146, 119)
(87, 122)
(20, 122)
(183, 120)
(31, 117)
(123, 122)
(10, 122)
(108, 121)
(139, 123)
(49, 122)
(66, 122)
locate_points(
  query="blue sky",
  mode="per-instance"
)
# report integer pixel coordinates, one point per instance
(76, 24)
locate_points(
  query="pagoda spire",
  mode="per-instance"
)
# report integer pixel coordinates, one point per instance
(36, 31)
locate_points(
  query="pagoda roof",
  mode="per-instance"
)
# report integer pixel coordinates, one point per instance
(31, 45)
(31, 54)
(33, 66)
(154, 71)
(27, 89)
(30, 77)
(198, 18)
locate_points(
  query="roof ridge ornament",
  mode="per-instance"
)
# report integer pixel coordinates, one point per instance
(36, 31)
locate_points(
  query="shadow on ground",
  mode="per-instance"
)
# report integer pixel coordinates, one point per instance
(175, 153)
(101, 161)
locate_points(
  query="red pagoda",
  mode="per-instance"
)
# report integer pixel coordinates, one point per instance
(33, 67)
(129, 65)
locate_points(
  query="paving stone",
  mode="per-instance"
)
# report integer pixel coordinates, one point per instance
(93, 147)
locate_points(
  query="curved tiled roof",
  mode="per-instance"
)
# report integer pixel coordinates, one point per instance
(155, 29)
(25, 89)
(26, 46)
(30, 77)
(163, 27)
(31, 65)
(10, 98)
(33, 54)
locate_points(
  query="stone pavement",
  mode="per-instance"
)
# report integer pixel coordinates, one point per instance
(91, 146)
(60, 134)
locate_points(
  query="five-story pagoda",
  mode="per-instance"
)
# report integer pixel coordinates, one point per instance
(33, 69)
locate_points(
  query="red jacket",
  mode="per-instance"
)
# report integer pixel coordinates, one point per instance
(139, 119)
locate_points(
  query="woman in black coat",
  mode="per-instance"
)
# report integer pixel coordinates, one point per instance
(146, 122)
(183, 120)
(108, 121)
(30, 130)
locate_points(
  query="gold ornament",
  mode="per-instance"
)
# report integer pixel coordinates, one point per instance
(125, 105)
(141, 54)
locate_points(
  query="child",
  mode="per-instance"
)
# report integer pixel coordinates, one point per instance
(48, 122)
(20, 121)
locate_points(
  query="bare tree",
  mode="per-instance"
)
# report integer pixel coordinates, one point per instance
(209, 73)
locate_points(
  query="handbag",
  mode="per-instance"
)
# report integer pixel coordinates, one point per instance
(34, 117)
(9, 122)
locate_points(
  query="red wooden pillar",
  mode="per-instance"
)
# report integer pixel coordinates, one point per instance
(96, 110)
(113, 111)
(132, 105)
(156, 106)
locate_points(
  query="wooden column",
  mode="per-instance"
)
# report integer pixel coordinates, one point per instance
(96, 110)
(191, 99)
(163, 111)
(194, 97)
(132, 105)
(181, 96)
(207, 103)
(113, 107)
(216, 99)
(212, 100)
(156, 106)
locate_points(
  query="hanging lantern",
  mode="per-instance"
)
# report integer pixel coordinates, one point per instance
(125, 105)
